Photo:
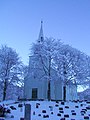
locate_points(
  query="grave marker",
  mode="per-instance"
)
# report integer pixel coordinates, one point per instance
(51, 108)
(27, 112)
(66, 116)
(21, 118)
(86, 118)
(45, 116)
(62, 103)
(73, 113)
(60, 108)
(43, 111)
(39, 114)
(58, 114)
(51, 112)
(67, 107)
(61, 111)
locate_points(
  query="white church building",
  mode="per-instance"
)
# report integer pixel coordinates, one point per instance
(36, 86)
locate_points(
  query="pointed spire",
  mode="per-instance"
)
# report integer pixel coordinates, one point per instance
(41, 37)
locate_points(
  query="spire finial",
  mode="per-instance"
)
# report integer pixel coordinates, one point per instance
(41, 38)
(41, 22)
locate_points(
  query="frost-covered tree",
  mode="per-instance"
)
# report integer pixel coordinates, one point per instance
(44, 52)
(72, 65)
(63, 61)
(68, 64)
(87, 72)
(10, 68)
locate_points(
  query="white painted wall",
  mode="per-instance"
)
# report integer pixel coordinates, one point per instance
(56, 90)
(42, 84)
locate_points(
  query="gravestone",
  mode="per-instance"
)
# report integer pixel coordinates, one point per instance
(86, 118)
(67, 107)
(58, 114)
(76, 106)
(51, 108)
(27, 112)
(39, 114)
(62, 103)
(60, 108)
(56, 105)
(51, 112)
(45, 116)
(37, 105)
(43, 111)
(66, 116)
(21, 118)
(61, 111)
(88, 102)
(72, 110)
(73, 113)
(88, 108)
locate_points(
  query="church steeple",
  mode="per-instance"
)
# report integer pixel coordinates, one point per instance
(41, 37)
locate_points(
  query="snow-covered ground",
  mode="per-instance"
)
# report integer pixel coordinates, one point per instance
(50, 110)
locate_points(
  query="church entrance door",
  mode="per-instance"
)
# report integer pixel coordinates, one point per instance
(34, 93)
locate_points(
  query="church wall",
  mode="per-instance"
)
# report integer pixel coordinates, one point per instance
(68, 95)
(25, 88)
(35, 81)
(40, 85)
(56, 90)
(45, 88)
(71, 92)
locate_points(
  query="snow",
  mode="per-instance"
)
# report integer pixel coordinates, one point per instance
(49, 106)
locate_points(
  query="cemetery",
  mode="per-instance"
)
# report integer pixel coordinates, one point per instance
(49, 93)
(46, 110)
(46, 99)
(51, 81)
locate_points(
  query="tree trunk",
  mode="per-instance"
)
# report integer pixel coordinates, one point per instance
(49, 91)
(65, 81)
(49, 75)
(64, 93)
(4, 90)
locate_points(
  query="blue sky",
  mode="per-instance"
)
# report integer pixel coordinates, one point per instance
(68, 20)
